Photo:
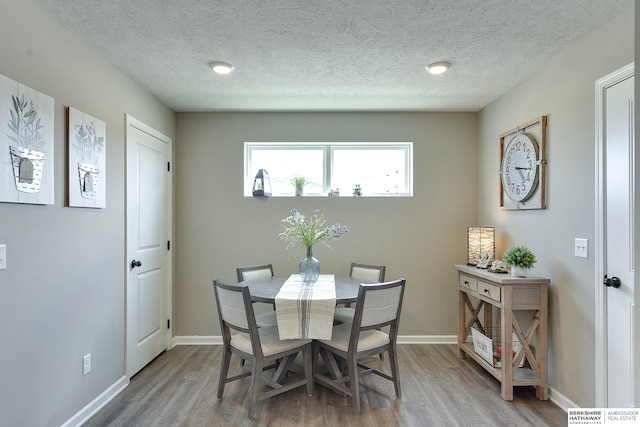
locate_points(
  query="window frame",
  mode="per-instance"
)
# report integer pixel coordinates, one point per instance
(328, 149)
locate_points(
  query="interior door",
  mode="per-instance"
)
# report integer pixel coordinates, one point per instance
(617, 279)
(148, 254)
(619, 157)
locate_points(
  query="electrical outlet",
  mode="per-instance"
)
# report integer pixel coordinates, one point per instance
(581, 248)
(86, 364)
(3, 257)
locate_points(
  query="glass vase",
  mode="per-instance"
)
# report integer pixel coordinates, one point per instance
(309, 267)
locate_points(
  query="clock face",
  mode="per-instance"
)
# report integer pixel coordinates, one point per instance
(519, 170)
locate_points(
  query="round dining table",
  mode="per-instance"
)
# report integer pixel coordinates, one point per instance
(266, 289)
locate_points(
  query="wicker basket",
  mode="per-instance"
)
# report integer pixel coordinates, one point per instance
(489, 347)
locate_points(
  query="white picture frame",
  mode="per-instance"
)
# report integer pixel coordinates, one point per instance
(87, 171)
(26, 144)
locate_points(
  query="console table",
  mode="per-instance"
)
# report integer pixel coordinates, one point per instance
(480, 290)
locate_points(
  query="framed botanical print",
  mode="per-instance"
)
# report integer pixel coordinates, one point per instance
(26, 144)
(87, 160)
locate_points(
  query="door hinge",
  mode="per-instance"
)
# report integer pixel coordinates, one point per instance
(168, 245)
(168, 166)
(168, 323)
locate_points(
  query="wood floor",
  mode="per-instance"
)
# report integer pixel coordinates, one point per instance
(438, 389)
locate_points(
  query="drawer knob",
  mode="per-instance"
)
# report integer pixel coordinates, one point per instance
(486, 290)
(466, 283)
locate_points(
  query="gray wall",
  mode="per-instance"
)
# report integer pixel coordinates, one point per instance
(62, 294)
(565, 91)
(217, 229)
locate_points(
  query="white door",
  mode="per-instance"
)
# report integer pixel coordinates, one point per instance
(617, 274)
(148, 250)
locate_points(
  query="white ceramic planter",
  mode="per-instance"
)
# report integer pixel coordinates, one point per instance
(518, 271)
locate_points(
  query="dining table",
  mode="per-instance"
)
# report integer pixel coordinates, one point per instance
(266, 289)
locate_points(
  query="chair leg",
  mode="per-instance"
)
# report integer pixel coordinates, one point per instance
(395, 373)
(224, 370)
(256, 384)
(315, 348)
(308, 368)
(352, 364)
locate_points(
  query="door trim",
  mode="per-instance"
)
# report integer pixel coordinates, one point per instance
(132, 122)
(600, 291)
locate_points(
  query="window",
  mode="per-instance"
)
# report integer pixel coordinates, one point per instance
(379, 169)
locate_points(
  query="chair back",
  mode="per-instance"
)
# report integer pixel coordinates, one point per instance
(257, 272)
(368, 273)
(379, 305)
(234, 307)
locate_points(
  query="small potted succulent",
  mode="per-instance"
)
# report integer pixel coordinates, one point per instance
(521, 259)
(299, 182)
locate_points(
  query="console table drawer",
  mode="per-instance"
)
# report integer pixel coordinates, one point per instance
(468, 282)
(489, 291)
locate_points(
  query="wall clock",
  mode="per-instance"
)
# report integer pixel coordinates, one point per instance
(522, 166)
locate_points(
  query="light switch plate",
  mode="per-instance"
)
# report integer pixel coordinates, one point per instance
(3, 257)
(581, 248)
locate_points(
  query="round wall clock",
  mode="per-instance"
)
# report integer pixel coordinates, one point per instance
(519, 169)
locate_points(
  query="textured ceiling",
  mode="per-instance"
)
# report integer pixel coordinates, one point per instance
(330, 55)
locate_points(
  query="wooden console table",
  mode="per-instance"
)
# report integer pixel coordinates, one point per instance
(478, 289)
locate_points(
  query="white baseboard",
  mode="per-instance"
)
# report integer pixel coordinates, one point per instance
(427, 339)
(561, 400)
(198, 340)
(98, 403)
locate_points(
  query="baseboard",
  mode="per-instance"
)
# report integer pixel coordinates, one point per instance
(427, 339)
(402, 339)
(197, 340)
(98, 403)
(561, 400)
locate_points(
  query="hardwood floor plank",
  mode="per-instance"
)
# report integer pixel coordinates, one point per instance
(438, 389)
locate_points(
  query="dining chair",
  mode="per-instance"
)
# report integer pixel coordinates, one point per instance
(259, 272)
(377, 306)
(262, 346)
(366, 273)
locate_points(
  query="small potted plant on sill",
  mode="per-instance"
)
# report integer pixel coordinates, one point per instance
(299, 182)
(521, 259)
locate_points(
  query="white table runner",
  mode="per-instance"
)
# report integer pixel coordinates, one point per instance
(305, 310)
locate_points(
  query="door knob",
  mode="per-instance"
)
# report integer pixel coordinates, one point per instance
(612, 282)
(135, 263)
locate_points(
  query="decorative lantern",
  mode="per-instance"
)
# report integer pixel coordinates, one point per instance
(480, 241)
(262, 184)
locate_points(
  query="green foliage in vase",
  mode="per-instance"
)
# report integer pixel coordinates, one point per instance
(299, 181)
(308, 231)
(519, 256)
(88, 145)
(25, 125)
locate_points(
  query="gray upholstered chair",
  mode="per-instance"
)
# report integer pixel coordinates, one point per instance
(366, 273)
(262, 346)
(377, 306)
(258, 272)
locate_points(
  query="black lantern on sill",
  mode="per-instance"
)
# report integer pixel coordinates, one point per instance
(262, 184)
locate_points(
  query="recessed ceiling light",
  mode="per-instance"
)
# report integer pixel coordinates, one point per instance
(221, 67)
(438, 67)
